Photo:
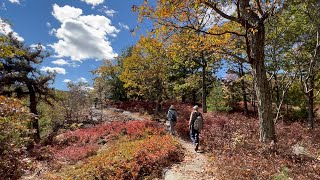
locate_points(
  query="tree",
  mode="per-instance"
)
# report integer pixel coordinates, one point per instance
(238, 69)
(194, 49)
(76, 101)
(19, 76)
(109, 77)
(301, 19)
(146, 71)
(251, 15)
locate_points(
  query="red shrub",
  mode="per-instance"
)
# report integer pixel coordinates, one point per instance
(237, 153)
(76, 153)
(78, 144)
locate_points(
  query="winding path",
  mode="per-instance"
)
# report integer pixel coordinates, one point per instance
(193, 166)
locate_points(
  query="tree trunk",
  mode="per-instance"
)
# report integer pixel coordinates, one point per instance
(183, 98)
(311, 104)
(277, 88)
(243, 88)
(33, 109)
(194, 97)
(267, 129)
(159, 97)
(204, 88)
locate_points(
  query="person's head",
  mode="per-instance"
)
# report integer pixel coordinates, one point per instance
(171, 107)
(196, 107)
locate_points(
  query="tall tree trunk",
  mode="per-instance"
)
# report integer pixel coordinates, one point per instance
(277, 88)
(204, 88)
(267, 129)
(159, 97)
(183, 97)
(311, 104)
(33, 109)
(194, 97)
(243, 88)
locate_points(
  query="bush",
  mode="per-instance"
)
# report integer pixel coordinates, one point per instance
(14, 136)
(236, 153)
(217, 100)
(136, 149)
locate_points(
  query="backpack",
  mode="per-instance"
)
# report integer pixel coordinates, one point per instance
(173, 116)
(198, 123)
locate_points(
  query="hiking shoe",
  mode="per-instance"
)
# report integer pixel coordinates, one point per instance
(197, 145)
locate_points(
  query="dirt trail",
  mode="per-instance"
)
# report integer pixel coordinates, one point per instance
(193, 165)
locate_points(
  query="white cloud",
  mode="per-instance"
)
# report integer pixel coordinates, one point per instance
(82, 79)
(88, 88)
(52, 32)
(5, 28)
(124, 26)
(212, 18)
(107, 11)
(60, 62)
(65, 12)
(93, 2)
(34, 46)
(57, 70)
(48, 25)
(66, 80)
(15, 1)
(82, 36)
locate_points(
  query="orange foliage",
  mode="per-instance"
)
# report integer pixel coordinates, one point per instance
(141, 149)
(14, 132)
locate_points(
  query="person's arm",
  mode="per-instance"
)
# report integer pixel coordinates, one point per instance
(190, 120)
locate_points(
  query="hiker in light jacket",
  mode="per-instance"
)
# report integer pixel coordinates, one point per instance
(172, 118)
(194, 134)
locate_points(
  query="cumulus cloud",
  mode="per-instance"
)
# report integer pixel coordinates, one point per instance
(48, 24)
(124, 26)
(213, 18)
(66, 80)
(52, 32)
(65, 12)
(82, 79)
(93, 2)
(60, 62)
(88, 88)
(82, 36)
(57, 70)
(5, 28)
(15, 1)
(107, 11)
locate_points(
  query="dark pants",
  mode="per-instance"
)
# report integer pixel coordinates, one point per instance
(194, 135)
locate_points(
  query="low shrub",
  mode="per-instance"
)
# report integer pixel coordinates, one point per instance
(141, 150)
(233, 141)
(73, 146)
(14, 136)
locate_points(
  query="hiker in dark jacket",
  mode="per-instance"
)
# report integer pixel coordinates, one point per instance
(172, 118)
(194, 134)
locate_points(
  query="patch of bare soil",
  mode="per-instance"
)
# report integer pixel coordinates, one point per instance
(193, 166)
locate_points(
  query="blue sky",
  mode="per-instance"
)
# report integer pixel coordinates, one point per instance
(77, 33)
